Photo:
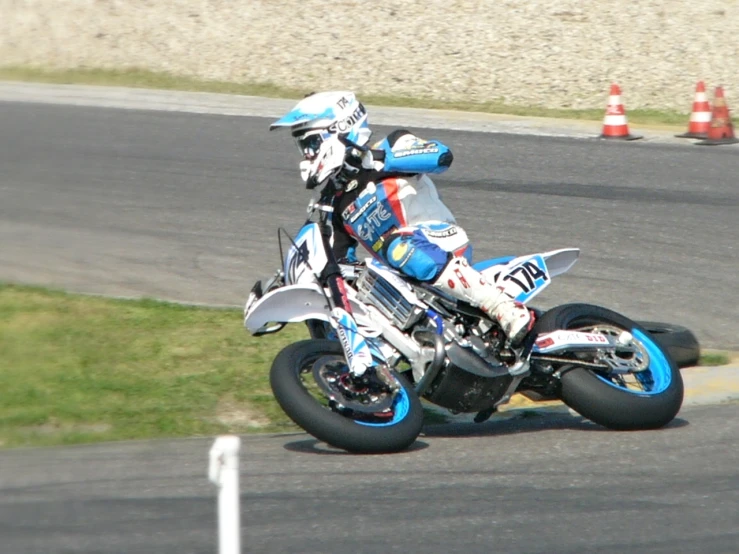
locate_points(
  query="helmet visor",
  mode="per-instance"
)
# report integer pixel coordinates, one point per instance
(310, 143)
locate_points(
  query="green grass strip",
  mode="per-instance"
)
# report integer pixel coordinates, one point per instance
(158, 80)
(714, 359)
(76, 368)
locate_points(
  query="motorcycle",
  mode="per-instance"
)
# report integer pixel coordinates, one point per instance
(603, 365)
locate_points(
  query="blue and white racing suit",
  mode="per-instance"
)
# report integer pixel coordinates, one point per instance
(392, 208)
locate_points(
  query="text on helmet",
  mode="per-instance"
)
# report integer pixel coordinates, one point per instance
(345, 124)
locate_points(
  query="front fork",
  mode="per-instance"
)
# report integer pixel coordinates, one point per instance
(356, 349)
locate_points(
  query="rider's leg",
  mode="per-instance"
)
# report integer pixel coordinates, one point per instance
(409, 251)
(461, 280)
(419, 254)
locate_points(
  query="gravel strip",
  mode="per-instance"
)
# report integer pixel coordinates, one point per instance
(554, 53)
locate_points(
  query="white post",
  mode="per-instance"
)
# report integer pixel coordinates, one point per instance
(223, 471)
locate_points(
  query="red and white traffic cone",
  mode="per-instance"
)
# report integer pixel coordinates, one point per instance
(615, 124)
(722, 129)
(700, 117)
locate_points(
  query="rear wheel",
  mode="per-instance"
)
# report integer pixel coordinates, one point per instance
(646, 391)
(303, 376)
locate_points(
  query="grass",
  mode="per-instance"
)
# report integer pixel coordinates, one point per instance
(158, 80)
(711, 359)
(82, 369)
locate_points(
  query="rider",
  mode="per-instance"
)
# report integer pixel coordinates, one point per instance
(386, 202)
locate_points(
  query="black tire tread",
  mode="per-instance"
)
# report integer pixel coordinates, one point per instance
(331, 427)
(597, 401)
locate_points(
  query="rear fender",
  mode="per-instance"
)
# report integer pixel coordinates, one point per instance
(560, 261)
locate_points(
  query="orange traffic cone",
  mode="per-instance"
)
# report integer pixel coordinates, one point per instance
(721, 130)
(700, 117)
(615, 125)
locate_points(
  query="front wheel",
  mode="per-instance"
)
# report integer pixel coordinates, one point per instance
(293, 380)
(648, 396)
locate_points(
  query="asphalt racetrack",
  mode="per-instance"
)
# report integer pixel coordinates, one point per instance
(540, 485)
(186, 206)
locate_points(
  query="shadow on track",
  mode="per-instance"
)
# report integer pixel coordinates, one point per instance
(525, 421)
(314, 446)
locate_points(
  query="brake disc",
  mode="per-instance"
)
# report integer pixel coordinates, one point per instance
(330, 374)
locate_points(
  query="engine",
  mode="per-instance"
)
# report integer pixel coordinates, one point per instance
(377, 291)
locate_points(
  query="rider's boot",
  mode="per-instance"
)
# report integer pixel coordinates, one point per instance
(462, 281)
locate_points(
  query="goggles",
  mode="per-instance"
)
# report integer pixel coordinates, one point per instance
(310, 142)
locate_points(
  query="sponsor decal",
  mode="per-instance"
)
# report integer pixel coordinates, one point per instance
(350, 209)
(343, 102)
(544, 342)
(379, 215)
(461, 278)
(345, 343)
(399, 251)
(345, 124)
(372, 221)
(432, 149)
(296, 264)
(352, 185)
(441, 234)
(596, 338)
(570, 337)
(364, 232)
(355, 348)
(362, 210)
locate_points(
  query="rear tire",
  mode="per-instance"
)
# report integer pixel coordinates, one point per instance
(329, 426)
(602, 398)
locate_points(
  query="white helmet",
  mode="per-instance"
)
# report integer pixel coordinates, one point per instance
(316, 123)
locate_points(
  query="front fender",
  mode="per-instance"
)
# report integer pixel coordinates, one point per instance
(295, 303)
(288, 304)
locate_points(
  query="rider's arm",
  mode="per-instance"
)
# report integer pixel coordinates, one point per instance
(345, 245)
(403, 152)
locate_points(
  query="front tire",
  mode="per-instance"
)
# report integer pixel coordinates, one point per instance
(650, 401)
(293, 364)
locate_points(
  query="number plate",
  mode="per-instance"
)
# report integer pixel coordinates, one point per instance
(530, 276)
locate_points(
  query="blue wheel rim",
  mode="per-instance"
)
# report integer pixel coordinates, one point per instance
(657, 378)
(401, 407)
